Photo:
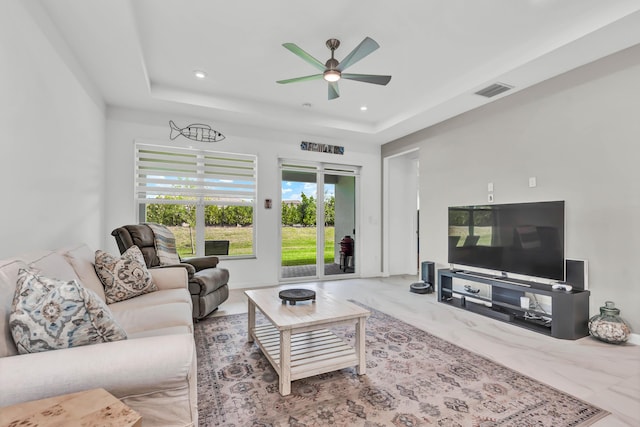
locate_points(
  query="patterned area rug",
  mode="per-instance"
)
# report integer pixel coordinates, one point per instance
(413, 379)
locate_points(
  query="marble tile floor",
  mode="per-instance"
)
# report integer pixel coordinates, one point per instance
(604, 375)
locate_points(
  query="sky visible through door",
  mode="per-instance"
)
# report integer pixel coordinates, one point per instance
(292, 190)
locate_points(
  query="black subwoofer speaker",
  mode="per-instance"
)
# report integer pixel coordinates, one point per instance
(576, 273)
(429, 272)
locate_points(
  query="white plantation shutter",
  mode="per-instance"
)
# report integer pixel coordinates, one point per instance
(196, 175)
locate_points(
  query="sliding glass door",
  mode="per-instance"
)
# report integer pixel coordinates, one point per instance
(318, 226)
(298, 231)
(340, 223)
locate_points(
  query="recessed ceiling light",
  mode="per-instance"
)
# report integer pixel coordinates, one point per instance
(200, 74)
(363, 108)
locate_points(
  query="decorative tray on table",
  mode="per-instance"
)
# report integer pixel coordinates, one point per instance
(295, 295)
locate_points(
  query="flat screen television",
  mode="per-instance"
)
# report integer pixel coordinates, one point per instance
(522, 238)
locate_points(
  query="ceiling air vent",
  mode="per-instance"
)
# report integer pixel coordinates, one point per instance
(493, 90)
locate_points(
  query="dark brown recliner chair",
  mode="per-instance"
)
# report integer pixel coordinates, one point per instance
(207, 282)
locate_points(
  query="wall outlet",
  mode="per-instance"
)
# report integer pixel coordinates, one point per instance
(490, 187)
(532, 181)
(490, 198)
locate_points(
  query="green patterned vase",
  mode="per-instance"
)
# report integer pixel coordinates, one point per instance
(608, 326)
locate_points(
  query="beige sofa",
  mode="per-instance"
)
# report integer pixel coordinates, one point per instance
(153, 371)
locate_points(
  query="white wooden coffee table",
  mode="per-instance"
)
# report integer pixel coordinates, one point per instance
(297, 342)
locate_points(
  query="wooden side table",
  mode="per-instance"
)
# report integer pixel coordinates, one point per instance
(91, 408)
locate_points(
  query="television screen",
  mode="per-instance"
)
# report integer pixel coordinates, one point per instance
(523, 238)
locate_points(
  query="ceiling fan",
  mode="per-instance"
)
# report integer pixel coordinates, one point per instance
(332, 70)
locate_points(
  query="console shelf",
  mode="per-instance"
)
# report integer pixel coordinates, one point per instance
(569, 310)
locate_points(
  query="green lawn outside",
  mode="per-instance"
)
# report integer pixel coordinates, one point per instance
(463, 231)
(298, 243)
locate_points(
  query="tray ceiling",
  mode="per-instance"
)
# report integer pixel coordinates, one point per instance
(142, 55)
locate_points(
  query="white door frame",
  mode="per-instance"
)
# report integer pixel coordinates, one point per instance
(387, 173)
(321, 169)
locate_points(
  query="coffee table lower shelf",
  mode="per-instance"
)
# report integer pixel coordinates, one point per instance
(312, 352)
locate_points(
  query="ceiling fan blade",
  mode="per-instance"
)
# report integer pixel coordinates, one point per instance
(333, 90)
(301, 79)
(367, 78)
(305, 56)
(365, 47)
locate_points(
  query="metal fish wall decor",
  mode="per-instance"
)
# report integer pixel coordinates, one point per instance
(195, 132)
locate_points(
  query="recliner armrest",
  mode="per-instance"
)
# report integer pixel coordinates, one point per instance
(200, 263)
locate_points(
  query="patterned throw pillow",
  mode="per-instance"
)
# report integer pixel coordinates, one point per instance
(125, 277)
(50, 314)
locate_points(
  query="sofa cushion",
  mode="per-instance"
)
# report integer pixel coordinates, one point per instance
(82, 259)
(50, 314)
(169, 330)
(140, 319)
(160, 297)
(124, 277)
(51, 264)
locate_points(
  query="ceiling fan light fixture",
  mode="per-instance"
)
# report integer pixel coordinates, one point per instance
(332, 70)
(331, 75)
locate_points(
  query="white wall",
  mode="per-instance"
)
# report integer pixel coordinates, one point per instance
(52, 133)
(67, 171)
(125, 126)
(402, 208)
(579, 135)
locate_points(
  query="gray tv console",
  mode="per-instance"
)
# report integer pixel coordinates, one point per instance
(569, 310)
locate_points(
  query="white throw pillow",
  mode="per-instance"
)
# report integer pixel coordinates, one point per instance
(125, 277)
(50, 314)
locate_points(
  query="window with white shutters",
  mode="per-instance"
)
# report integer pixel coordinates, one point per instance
(205, 197)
